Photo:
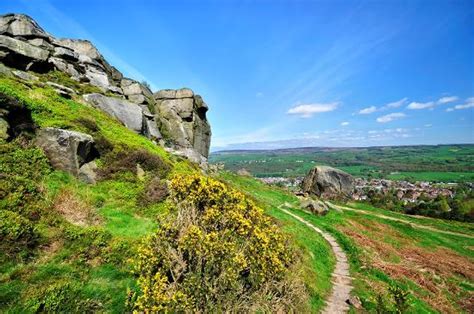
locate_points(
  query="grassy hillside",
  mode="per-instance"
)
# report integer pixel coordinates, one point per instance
(68, 246)
(436, 269)
(433, 163)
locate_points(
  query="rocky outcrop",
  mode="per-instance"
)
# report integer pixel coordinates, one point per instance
(133, 116)
(66, 150)
(182, 116)
(327, 182)
(179, 114)
(316, 207)
(15, 118)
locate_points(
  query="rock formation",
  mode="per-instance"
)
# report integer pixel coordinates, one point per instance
(180, 114)
(327, 182)
(66, 150)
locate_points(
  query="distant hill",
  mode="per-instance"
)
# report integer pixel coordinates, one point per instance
(453, 162)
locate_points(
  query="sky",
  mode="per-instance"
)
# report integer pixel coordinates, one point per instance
(281, 74)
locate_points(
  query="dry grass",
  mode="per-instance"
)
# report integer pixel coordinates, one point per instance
(75, 210)
(429, 269)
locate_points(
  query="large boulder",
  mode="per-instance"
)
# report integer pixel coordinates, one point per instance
(135, 117)
(128, 113)
(182, 118)
(21, 25)
(66, 150)
(328, 182)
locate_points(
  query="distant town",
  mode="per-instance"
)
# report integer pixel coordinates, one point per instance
(405, 191)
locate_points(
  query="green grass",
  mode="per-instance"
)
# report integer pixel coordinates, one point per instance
(85, 266)
(415, 163)
(441, 224)
(317, 258)
(367, 277)
(433, 176)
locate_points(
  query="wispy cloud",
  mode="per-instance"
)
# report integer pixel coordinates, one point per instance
(308, 110)
(396, 104)
(431, 104)
(259, 94)
(447, 99)
(345, 123)
(390, 117)
(388, 106)
(421, 105)
(468, 104)
(368, 110)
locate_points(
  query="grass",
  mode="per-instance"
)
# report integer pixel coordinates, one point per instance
(384, 253)
(75, 265)
(317, 258)
(86, 267)
(415, 163)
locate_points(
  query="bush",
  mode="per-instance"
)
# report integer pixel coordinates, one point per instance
(126, 160)
(62, 297)
(21, 171)
(16, 232)
(216, 252)
(155, 191)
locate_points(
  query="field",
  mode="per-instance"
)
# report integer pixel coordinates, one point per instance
(452, 163)
(430, 260)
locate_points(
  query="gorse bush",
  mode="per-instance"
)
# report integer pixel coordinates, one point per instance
(216, 252)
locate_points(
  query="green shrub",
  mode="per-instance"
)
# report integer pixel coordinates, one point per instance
(155, 191)
(21, 171)
(16, 230)
(62, 297)
(126, 160)
(216, 252)
(88, 243)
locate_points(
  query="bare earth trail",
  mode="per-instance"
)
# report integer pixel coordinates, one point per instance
(412, 224)
(336, 303)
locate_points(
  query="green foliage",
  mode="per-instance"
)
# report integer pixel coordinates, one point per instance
(64, 79)
(21, 169)
(16, 232)
(216, 252)
(400, 298)
(126, 160)
(156, 191)
(423, 163)
(61, 297)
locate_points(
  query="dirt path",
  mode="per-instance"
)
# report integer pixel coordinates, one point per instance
(336, 303)
(414, 225)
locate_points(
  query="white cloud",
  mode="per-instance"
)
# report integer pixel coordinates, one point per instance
(469, 104)
(391, 117)
(447, 99)
(429, 125)
(368, 110)
(307, 111)
(345, 123)
(421, 105)
(396, 104)
(259, 94)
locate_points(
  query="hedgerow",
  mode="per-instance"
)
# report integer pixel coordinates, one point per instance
(216, 252)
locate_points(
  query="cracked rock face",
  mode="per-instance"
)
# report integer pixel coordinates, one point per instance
(66, 150)
(328, 182)
(182, 116)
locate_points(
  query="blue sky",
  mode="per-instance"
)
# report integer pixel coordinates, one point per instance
(293, 73)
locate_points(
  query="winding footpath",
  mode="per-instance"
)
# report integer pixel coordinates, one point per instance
(414, 225)
(336, 303)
